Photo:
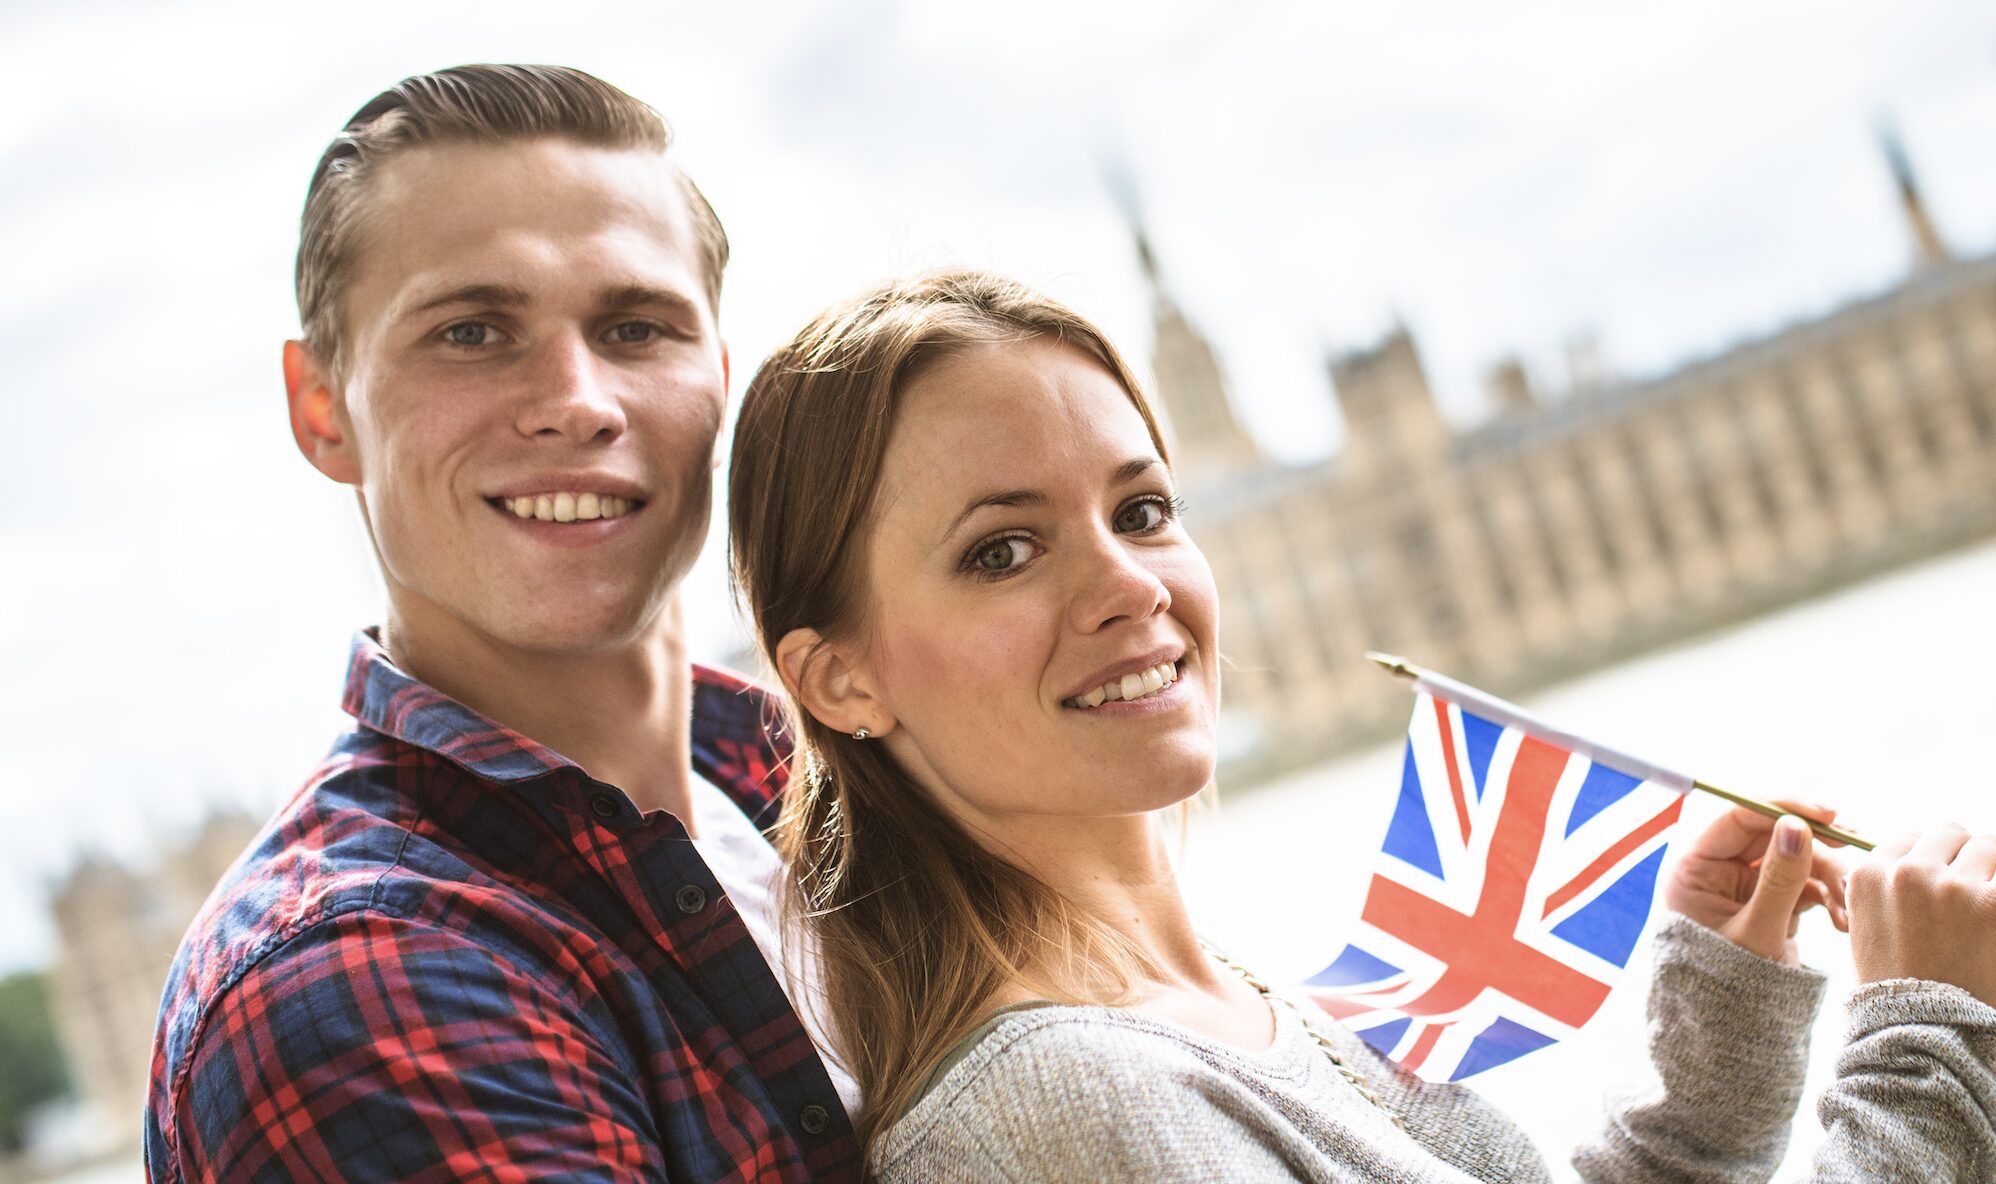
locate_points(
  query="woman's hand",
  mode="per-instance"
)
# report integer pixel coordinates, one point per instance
(1751, 879)
(1924, 906)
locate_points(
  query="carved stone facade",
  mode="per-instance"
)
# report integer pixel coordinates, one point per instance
(1559, 537)
(116, 933)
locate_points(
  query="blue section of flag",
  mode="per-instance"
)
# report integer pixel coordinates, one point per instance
(1450, 1002)
(1610, 924)
(1602, 788)
(1386, 1035)
(1411, 837)
(1353, 966)
(1479, 736)
(1504, 1040)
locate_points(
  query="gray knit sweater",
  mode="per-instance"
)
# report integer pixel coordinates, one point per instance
(1069, 1094)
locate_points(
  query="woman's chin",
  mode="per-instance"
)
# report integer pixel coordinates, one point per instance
(1169, 782)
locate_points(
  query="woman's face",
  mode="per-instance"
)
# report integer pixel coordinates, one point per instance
(1040, 626)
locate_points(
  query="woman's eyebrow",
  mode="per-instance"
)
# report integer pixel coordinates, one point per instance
(1126, 472)
(1003, 497)
(1135, 467)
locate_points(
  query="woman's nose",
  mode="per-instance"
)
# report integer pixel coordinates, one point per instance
(1116, 583)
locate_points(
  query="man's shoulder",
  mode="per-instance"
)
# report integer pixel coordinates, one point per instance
(740, 742)
(353, 858)
(342, 963)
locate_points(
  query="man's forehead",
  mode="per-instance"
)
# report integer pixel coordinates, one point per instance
(547, 186)
(518, 218)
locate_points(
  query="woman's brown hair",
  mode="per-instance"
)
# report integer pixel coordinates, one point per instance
(914, 924)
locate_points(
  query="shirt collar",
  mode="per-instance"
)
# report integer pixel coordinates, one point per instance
(737, 742)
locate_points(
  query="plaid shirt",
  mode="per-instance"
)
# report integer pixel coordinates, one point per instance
(454, 955)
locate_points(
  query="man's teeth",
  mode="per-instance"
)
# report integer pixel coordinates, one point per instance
(1131, 686)
(568, 507)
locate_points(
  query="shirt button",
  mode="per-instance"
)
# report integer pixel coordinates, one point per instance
(814, 1120)
(690, 899)
(603, 805)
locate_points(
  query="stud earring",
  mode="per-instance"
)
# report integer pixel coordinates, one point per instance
(861, 734)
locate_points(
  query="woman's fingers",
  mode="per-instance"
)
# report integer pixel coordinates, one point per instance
(1939, 846)
(1830, 895)
(1977, 857)
(1894, 847)
(1925, 907)
(1741, 832)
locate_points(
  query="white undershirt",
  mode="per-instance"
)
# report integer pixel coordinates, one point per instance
(749, 870)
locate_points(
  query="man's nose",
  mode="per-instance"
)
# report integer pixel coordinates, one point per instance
(572, 393)
(1115, 583)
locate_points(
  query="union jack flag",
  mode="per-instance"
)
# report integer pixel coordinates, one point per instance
(1516, 878)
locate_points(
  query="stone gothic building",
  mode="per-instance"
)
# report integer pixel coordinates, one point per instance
(117, 928)
(1561, 536)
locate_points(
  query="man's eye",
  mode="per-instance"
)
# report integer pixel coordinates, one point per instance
(1138, 517)
(1002, 555)
(633, 333)
(469, 333)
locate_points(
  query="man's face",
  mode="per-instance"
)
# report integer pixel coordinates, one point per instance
(535, 386)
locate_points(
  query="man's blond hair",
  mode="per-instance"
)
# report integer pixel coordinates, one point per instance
(488, 104)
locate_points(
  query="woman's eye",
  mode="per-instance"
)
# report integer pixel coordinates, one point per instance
(1138, 517)
(633, 333)
(1002, 555)
(470, 333)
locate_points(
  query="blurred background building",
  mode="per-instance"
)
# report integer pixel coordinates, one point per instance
(1597, 193)
(117, 928)
(1567, 533)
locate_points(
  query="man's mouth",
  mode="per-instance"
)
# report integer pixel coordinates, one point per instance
(565, 507)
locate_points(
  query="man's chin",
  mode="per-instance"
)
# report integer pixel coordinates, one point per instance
(578, 634)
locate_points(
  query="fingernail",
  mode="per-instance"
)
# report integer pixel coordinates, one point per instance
(1788, 834)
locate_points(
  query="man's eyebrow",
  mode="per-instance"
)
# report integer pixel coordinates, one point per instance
(632, 296)
(489, 295)
(1126, 472)
(621, 299)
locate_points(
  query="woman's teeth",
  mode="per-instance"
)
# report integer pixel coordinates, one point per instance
(1141, 685)
(568, 507)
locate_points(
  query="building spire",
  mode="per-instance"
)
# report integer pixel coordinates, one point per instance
(1208, 442)
(1928, 248)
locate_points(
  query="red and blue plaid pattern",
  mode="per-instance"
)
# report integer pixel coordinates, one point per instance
(455, 956)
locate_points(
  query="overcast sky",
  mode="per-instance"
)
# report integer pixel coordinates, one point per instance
(178, 587)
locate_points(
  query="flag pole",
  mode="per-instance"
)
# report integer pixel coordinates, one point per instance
(1395, 664)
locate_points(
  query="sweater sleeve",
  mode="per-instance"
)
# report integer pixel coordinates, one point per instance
(1915, 1093)
(1728, 1037)
(1054, 1103)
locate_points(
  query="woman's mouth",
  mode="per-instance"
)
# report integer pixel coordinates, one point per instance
(1128, 688)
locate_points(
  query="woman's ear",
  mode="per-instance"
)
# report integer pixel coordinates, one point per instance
(829, 685)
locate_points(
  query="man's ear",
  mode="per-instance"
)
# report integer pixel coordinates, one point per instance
(828, 684)
(316, 416)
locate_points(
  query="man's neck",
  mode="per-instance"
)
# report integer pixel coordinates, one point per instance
(622, 713)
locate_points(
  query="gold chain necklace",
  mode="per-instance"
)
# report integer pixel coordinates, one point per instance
(1318, 1038)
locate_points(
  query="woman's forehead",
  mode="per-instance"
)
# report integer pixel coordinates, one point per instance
(1012, 425)
(1038, 388)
